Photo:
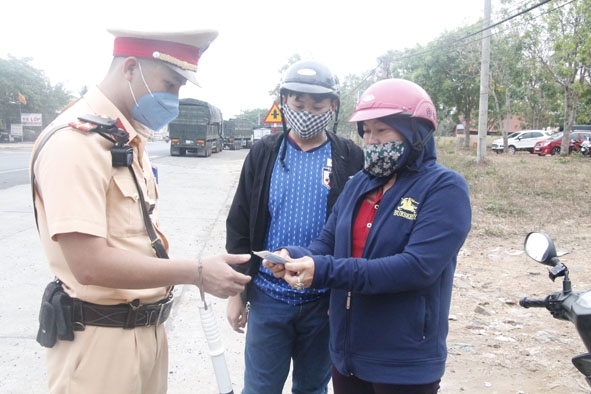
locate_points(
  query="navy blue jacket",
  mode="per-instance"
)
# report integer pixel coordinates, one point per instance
(389, 309)
(248, 220)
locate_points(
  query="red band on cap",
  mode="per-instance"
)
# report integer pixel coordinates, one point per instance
(180, 55)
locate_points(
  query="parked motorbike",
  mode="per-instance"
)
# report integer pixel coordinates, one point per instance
(585, 148)
(574, 306)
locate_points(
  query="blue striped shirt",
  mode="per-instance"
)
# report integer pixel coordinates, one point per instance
(297, 205)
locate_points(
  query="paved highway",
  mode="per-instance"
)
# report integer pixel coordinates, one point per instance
(14, 161)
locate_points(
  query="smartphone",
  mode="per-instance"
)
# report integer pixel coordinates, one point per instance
(272, 257)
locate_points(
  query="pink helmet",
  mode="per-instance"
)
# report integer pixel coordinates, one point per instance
(394, 96)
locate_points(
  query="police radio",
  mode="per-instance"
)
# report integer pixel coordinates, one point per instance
(121, 153)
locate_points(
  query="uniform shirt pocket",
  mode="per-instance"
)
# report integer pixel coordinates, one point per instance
(124, 213)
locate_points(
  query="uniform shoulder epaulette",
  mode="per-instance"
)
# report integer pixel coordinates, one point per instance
(91, 122)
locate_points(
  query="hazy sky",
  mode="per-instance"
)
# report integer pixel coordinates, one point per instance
(67, 39)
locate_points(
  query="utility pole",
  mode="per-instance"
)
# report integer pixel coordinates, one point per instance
(484, 83)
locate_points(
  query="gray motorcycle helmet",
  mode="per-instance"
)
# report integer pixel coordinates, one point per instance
(308, 76)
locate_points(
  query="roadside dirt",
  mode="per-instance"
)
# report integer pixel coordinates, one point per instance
(495, 345)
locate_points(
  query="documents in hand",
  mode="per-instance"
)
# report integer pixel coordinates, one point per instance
(272, 257)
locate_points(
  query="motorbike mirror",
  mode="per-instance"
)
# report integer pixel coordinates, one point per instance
(540, 247)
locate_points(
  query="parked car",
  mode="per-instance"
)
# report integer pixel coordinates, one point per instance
(586, 148)
(551, 146)
(520, 140)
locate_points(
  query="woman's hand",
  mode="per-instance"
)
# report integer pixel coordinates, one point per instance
(299, 273)
(278, 270)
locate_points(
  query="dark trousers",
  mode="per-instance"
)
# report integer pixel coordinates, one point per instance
(353, 385)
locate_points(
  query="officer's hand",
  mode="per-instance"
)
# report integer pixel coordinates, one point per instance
(221, 280)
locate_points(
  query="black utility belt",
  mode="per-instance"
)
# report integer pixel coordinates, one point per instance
(60, 315)
(129, 315)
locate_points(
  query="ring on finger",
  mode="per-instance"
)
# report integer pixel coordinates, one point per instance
(299, 285)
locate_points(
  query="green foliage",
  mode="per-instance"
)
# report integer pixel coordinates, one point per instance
(560, 42)
(256, 116)
(294, 58)
(351, 89)
(563, 160)
(450, 72)
(18, 76)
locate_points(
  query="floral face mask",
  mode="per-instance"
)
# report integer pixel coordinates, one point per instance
(382, 160)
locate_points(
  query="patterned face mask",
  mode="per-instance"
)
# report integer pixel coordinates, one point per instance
(381, 160)
(305, 124)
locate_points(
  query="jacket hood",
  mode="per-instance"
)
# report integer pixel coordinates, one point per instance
(420, 140)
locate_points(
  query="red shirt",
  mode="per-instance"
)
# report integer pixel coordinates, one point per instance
(364, 220)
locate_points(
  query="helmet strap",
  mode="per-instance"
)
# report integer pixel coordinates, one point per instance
(284, 142)
(336, 119)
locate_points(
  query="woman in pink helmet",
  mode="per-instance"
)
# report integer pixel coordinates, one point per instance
(389, 249)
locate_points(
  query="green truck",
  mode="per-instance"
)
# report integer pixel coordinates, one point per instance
(198, 129)
(238, 133)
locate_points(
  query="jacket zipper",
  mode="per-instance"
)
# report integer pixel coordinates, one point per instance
(347, 330)
(348, 300)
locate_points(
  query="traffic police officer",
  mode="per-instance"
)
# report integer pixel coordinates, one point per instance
(93, 230)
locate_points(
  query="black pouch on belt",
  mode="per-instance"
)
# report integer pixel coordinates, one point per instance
(55, 316)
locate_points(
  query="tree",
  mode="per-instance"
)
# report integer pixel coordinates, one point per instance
(449, 69)
(540, 70)
(256, 116)
(294, 58)
(519, 85)
(506, 77)
(18, 76)
(562, 44)
(351, 88)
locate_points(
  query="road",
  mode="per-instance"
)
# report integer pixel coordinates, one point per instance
(195, 195)
(14, 166)
(14, 161)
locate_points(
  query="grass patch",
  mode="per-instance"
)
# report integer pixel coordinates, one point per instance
(515, 194)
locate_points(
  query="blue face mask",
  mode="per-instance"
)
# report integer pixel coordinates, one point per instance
(154, 110)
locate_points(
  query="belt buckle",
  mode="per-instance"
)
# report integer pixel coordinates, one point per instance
(166, 304)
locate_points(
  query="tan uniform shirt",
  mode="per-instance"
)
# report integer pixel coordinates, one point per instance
(78, 190)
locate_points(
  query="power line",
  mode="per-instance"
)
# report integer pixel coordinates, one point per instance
(463, 38)
(510, 17)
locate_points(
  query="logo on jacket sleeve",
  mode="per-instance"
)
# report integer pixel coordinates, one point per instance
(407, 208)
